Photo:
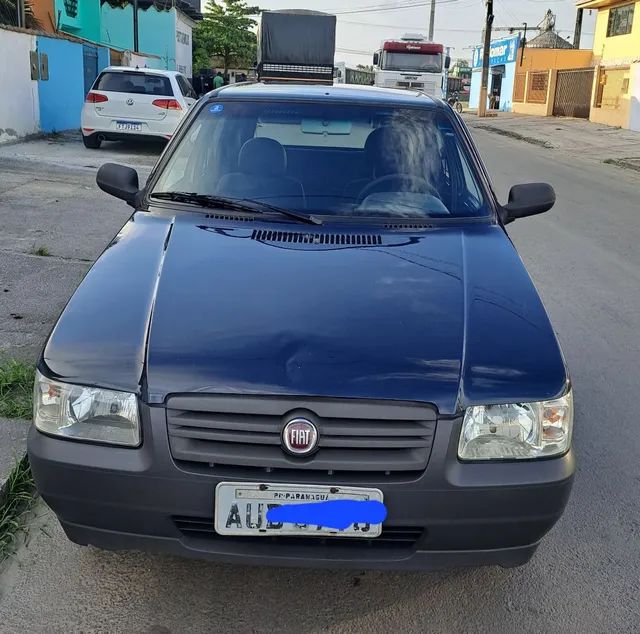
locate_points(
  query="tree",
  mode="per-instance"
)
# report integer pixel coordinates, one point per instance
(226, 33)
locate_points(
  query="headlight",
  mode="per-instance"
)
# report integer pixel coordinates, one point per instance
(517, 431)
(85, 413)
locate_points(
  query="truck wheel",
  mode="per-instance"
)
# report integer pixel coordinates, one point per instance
(92, 142)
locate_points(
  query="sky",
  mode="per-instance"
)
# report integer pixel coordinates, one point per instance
(458, 23)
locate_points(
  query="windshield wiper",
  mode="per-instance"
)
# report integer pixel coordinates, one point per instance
(235, 204)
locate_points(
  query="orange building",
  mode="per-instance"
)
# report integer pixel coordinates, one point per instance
(44, 12)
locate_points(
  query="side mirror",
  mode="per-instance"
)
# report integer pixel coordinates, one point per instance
(447, 62)
(376, 59)
(528, 200)
(119, 181)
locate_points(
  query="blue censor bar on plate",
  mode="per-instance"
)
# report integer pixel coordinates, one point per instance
(336, 514)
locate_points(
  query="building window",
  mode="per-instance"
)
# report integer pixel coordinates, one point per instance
(612, 83)
(71, 8)
(620, 20)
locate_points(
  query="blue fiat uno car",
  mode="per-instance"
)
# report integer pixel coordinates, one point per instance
(313, 343)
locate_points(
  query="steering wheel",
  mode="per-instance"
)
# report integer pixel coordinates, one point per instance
(397, 182)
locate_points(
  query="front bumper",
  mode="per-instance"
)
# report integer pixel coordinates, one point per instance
(465, 514)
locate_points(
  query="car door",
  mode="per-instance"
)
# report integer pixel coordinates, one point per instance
(187, 90)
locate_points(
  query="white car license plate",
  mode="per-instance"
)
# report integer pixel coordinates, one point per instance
(241, 509)
(128, 126)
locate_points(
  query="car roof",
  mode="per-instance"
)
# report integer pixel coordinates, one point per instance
(129, 69)
(340, 92)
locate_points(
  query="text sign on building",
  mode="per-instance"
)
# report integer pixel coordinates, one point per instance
(502, 51)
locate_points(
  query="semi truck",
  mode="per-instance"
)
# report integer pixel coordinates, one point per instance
(296, 46)
(412, 63)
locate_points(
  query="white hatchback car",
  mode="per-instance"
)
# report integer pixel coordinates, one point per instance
(130, 102)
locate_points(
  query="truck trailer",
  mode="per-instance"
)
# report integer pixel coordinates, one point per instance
(296, 46)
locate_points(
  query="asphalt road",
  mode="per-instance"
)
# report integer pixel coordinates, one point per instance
(585, 261)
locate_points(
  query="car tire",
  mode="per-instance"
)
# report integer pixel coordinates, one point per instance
(92, 142)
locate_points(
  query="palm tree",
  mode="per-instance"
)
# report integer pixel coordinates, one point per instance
(9, 14)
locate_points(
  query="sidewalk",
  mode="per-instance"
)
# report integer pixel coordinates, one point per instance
(55, 222)
(575, 137)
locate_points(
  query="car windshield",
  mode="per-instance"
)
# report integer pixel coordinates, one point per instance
(325, 159)
(413, 62)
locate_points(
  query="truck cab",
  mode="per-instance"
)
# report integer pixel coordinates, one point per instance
(411, 63)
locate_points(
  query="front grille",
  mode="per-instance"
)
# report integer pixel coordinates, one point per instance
(355, 437)
(392, 537)
(410, 84)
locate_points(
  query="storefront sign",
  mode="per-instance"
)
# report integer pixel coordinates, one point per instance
(502, 51)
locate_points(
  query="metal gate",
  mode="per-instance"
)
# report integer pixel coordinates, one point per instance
(573, 93)
(90, 59)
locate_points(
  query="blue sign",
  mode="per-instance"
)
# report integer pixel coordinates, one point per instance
(502, 51)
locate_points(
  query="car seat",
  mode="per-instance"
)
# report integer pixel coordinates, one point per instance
(262, 176)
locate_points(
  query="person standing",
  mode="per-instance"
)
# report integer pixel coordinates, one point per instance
(218, 81)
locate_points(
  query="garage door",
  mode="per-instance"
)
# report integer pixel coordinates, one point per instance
(573, 93)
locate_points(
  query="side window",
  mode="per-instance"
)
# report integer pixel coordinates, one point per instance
(185, 87)
(470, 182)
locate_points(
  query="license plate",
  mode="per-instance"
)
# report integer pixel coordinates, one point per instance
(241, 509)
(128, 126)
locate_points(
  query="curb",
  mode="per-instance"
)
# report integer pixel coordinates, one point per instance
(625, 163)
(13, 448)
(514, 135)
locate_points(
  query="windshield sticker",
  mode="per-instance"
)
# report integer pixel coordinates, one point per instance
(216, 108)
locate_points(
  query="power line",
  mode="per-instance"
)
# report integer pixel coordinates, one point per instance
(407, 27)
(381, 8)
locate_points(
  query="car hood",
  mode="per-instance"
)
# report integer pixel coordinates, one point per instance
(446, 316)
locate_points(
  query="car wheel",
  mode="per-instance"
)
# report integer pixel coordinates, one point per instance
(92, 142)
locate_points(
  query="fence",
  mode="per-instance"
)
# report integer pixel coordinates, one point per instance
(573, 93)
(565, 93)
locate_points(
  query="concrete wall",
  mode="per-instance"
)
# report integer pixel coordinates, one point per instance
(19, 113)
(538, 109)
(62, 95)
(156, 32)
(634, 110)
(552, 58)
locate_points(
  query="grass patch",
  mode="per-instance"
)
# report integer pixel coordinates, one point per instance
(16, 389)
(18, 498)
(42, 251)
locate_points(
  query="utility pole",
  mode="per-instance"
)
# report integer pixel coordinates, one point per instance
(482, 104)
(432, 19)
(135, 26)
(578, 32)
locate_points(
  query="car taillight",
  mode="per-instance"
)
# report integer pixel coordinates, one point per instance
(94, 97)
(167, 104)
